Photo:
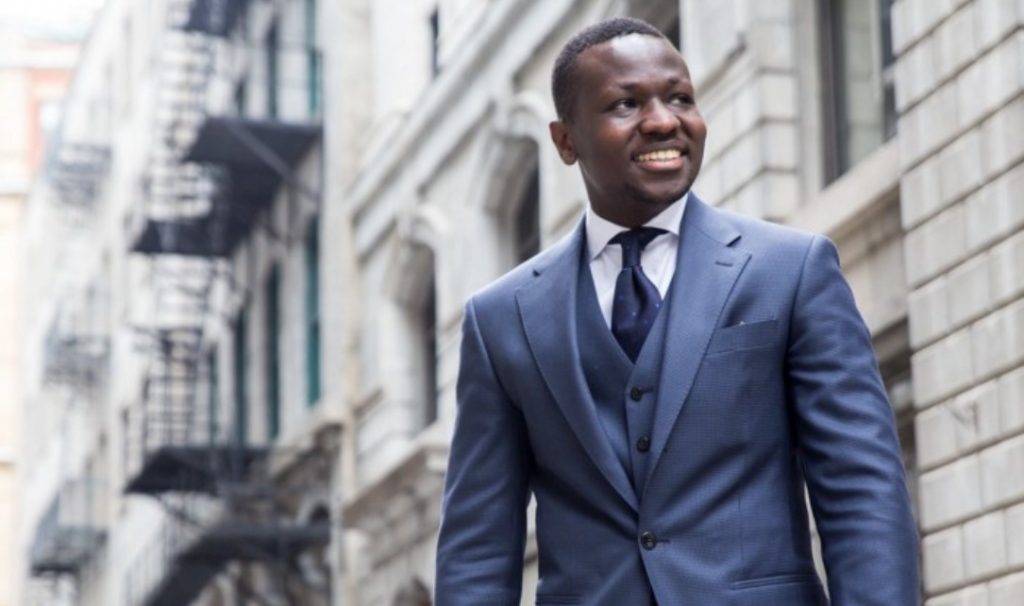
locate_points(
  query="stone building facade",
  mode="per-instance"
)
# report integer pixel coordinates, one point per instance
(892, 126)
(959, 82)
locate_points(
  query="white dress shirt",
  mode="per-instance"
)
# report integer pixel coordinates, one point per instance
(658, 258)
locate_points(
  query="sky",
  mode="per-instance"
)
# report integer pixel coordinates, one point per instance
(70, 17)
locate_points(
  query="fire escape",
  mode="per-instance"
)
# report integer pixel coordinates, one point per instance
(211, 181)
(69, 533)
(75, 363)
(75, 360)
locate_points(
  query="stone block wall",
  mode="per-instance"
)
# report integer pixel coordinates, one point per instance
(960, 93)
(744, 64)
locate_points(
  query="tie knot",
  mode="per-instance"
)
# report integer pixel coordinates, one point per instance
(633, 243)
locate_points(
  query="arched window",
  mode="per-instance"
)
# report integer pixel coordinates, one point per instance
(526, 221)
(314, 563)
(423, 314)
(411, 352)
(515, 201)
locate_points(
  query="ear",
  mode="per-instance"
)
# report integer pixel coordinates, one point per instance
(563, 141)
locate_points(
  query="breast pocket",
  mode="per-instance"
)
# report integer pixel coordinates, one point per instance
(744, 336)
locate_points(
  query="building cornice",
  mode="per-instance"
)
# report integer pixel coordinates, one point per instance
(445, 112)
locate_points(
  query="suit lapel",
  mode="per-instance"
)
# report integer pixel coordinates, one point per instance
(706, 270)
(547, 306)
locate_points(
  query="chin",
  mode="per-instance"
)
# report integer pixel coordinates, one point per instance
(661, 196)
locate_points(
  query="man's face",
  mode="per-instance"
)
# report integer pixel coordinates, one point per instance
(634, 129)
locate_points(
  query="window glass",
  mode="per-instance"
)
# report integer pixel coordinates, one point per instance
(312, 315)
(858, 80)
(241, 420)
(213, 396)
(273, 52)
(435, 42)
(241, 98)
(428, 343)
(527, 220)
(273, 355)
(312, 60)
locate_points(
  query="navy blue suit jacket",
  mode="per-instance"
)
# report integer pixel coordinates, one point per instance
(768, 384)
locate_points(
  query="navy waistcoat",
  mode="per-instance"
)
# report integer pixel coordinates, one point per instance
(623, 393)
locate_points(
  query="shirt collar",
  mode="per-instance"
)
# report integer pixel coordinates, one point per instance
(600, 230)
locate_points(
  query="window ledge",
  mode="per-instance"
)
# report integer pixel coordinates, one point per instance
(418, 474)
(837, 208)
(318, 430)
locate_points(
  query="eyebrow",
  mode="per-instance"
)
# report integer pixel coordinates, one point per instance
(631, 86)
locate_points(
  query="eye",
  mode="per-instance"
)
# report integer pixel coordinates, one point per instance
(622, 105)
(681, 99)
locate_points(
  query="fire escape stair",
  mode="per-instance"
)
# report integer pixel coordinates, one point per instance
(196, 565)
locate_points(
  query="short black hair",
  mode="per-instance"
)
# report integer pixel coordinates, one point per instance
(564, 72)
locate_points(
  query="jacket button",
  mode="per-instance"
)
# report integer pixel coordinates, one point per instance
(643, 444)
(648, 541)
(636, 394)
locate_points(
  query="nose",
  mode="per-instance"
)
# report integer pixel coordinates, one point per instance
(658, 119)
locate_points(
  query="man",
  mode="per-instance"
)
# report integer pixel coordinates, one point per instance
(666, 381)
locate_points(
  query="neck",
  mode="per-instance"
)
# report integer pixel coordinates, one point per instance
(636, 216)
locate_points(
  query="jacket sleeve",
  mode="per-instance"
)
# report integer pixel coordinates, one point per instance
(848, 444)
(483, 518)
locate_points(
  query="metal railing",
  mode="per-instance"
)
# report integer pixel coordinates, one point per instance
(70, 532)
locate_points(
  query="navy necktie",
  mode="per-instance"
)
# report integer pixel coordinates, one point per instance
(637, 300)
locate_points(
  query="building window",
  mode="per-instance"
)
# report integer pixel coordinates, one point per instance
(273, 73)
(313, 314)
(897, 376)
(435, 42)
(312, 59)
(273, 321)
(241, 98)
(241, 346)
(673, 33)
(419, 332)
(527, 219)
(896, 370)
(663, 14)
(212, 396)
(428, 351)
(860, 105)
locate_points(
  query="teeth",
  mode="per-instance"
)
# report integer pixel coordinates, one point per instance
(665, 154)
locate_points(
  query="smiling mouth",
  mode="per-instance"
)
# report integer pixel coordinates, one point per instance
(659, 158)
